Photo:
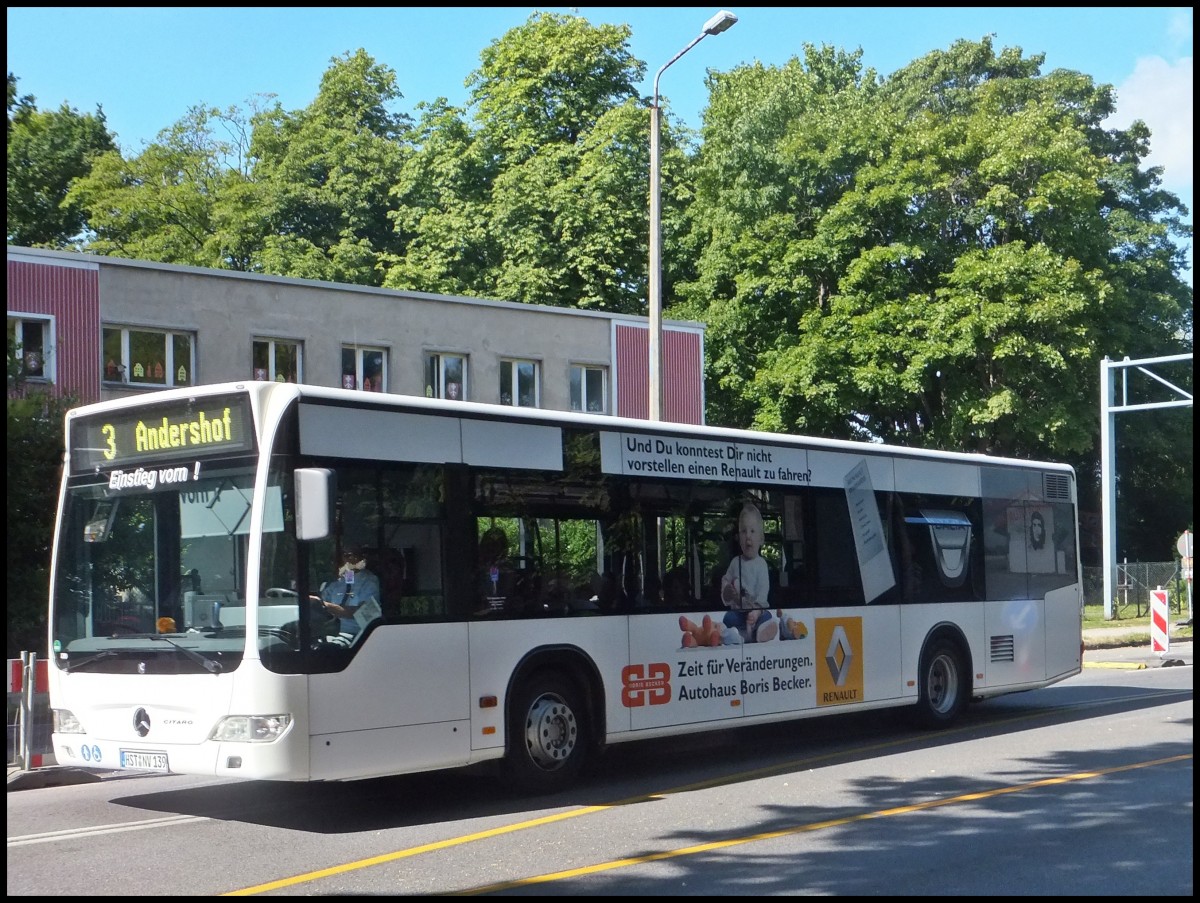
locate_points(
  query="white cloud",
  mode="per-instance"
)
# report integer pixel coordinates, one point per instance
(1160, 94)
(1179, 29)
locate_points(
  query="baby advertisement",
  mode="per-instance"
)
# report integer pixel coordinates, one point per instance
(687, 670)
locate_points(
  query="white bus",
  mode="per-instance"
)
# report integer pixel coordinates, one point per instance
(199, 531)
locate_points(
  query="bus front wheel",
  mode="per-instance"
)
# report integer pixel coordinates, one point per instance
(944, 685)
(546, 734)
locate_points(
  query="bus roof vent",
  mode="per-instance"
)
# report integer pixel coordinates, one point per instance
(1056, 487)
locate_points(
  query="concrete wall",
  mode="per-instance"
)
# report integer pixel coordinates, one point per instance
(226, 311)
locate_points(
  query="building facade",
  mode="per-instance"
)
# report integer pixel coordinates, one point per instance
(101, 327)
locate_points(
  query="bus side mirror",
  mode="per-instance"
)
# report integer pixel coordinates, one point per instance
(315, 492)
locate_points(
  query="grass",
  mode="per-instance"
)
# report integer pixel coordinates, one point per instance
(1138, 625)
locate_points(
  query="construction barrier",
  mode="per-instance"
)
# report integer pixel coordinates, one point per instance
(29, 722)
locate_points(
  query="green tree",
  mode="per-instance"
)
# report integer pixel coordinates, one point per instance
(780, 148)
(186, 198)
(35, 451)
(939, 259)
(936, 258)
(326, 174)
(47, 150)
(440, 208)
(570, 235)
(539, 196)
(301, 193)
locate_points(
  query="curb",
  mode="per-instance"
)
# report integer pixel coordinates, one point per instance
(1119, 666)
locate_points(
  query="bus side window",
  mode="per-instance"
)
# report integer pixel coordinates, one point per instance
(835, 576)
(793, 571)
(676, 594)
(390, 565)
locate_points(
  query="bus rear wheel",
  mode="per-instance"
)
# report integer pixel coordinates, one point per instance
(943, 686)
(547, 734)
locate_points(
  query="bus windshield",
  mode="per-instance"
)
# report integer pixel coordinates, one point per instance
(158, 573)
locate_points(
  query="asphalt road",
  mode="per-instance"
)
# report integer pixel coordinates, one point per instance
(1081, 788)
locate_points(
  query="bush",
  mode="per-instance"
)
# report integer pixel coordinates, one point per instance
(35, 454)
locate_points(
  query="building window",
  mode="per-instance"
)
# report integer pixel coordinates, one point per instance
(32, 342)
(149, 357)
(588, 389)
(519, 383)
(446, 376)
(277, 359)
(364, 368)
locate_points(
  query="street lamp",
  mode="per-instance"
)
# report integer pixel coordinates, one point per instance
(717, 24)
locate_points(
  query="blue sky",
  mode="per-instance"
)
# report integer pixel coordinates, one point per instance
(146, 67)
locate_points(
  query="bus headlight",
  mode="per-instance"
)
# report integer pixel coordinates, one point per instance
(65, 722)
(251, 728)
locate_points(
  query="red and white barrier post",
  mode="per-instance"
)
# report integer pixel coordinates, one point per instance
(1160, 632)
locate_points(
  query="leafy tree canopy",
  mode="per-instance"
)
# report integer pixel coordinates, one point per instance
(186, 198)
(528, 194)
(325, 175)
(939, 258)
(47, 149)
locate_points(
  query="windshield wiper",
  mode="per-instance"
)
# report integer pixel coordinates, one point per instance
(72, 663)
(213, 667)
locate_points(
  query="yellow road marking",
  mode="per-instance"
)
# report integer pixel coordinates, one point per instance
(808, 762)
(814, 826)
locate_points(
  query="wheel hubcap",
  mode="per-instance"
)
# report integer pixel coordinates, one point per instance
(943, 681)
(550, 732)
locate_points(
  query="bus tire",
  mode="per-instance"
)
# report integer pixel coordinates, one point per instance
(547, 734)
(943, 685)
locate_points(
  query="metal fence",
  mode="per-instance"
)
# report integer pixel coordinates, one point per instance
(1134, 580)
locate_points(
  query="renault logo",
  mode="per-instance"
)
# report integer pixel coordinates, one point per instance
(141, 722)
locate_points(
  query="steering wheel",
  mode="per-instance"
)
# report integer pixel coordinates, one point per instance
(322, 624)
(279, 592)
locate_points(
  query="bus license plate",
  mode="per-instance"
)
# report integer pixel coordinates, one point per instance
(146, 761)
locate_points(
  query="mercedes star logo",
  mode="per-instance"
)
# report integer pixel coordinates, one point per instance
(141, 722)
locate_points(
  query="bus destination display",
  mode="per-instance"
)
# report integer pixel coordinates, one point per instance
(187, 431)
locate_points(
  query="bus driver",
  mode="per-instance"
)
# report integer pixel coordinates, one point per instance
(356, 586)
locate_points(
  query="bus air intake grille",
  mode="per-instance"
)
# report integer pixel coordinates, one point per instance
(1003, 649)
(1056, 487)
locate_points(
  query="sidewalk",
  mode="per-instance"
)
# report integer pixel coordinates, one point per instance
(49, 776)
(1136, 656)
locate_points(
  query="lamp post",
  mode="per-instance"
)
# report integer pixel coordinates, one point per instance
(717, 24)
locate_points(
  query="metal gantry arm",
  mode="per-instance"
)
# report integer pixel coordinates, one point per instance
(1108, 479)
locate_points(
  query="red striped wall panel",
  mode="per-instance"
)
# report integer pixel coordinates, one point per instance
(683, 373)
(71, 295)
